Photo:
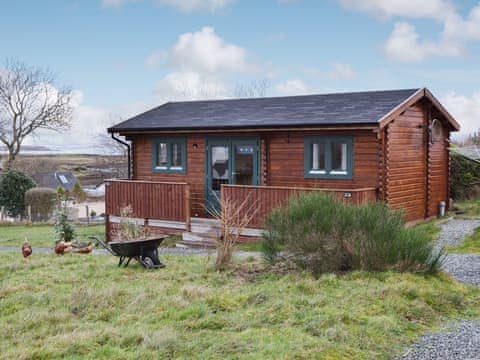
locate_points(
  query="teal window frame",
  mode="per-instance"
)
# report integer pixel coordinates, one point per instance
(169, 141)
(328, 141)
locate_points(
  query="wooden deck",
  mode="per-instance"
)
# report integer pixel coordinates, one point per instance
(165, 207)
(267, 198)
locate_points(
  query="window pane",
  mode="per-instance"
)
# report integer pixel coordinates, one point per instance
(176, 156)
(243, 172)
(219, 166)
(162, 156)
(339, 158)
(318, 158)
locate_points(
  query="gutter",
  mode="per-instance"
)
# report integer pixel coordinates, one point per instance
(128, 153)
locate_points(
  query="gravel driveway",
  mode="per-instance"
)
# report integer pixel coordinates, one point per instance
(459, 339)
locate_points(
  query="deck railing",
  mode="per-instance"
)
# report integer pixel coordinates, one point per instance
(266, 198)
(149, 200)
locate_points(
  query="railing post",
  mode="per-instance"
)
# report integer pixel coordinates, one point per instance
(107, 228)
(188, 225)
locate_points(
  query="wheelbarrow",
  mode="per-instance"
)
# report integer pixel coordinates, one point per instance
(144, 251)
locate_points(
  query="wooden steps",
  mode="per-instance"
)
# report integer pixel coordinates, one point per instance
(203, 234)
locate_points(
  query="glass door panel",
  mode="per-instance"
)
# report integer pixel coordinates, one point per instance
(229, 161)
(220, 166)
(244, 165)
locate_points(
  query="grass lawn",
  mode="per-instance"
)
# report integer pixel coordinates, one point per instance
(470, 207)
(42, 235)
(78, 306)
(470, 245)
(430, 228)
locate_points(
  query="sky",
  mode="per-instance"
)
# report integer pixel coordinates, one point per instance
(122, 57)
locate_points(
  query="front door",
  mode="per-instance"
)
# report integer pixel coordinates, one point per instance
(230, 161)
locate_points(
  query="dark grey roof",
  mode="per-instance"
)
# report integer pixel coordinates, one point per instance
(335, 109)
(65, 179)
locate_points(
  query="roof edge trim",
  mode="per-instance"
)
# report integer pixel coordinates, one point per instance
(421, 93)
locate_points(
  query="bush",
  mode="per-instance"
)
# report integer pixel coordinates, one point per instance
(78, 193)
(13, 186)
(64, 229)
(326, 235)
(464, 175)
(42, 202)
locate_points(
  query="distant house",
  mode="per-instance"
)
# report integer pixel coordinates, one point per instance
(96, 191)
(64, 179)
(362, 146)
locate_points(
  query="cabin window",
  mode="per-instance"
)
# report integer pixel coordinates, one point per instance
(328, 157)
(169, 155)
(436, 131)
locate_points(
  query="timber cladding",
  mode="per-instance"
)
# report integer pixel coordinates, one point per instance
(194, 175)
(281, 162)
(286, 160)
(416, 168)
(400, 160)
(406, 163)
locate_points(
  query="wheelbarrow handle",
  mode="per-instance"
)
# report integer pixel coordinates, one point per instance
(103, 243)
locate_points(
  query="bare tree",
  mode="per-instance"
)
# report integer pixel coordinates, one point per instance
(256, 88)
(29, 101)
(106, 141)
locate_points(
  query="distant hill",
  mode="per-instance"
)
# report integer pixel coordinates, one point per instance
(90, 170)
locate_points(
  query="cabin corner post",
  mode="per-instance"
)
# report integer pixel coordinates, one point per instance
(188, 225)
(107, 228)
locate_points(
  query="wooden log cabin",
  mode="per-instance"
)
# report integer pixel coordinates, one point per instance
(361, 146)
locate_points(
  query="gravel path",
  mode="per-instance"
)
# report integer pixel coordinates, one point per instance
(458, 340)
(463, 267)
(453, 231)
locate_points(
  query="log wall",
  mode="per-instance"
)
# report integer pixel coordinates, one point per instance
(406, 167)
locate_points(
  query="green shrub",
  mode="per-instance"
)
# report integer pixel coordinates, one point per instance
(64, 229)
(326, 235)
(42, 202)
(464, 175)
(78, 193)
(13, 186)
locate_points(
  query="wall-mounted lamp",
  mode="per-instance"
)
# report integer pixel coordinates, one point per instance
(195, 146)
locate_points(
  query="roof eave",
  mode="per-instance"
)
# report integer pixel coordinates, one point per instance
(414, 98)
(293, 127)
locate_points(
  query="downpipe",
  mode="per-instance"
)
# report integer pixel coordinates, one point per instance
(128, 153)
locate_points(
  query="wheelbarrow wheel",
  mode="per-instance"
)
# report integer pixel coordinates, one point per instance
(150, 260)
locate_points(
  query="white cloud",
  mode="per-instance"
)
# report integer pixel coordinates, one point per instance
(404, 45)
(182, 5)
(434, 9)
(205, 52)
(87, 123)
(342, 72)
(192, 5)
(293, 87)
(116, 3)
(201, 63)
(466, 110)
(190, 86)
(463, 30)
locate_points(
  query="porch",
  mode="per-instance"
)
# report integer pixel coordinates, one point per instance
(166, 207)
